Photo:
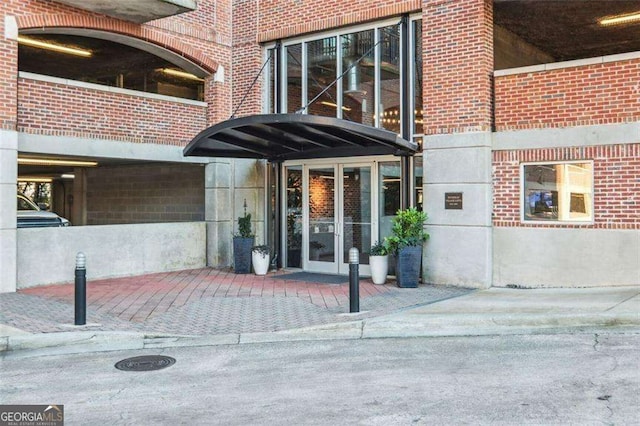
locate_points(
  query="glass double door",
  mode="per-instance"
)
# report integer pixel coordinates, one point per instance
(330, 209)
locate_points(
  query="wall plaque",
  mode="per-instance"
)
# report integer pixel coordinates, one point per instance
(453, 200)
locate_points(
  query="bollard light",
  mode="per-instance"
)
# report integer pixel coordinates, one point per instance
(354, 280)
(81, 289)
(81, 261)
(354, 256)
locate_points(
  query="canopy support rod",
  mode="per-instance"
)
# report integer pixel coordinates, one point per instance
(356, 62)
(233, 114)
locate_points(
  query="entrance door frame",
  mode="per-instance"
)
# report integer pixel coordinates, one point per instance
(337, 164)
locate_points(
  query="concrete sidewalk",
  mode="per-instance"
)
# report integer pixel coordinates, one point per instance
(254, 316)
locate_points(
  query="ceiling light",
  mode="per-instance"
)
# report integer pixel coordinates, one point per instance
(331, 104)
(183, 74)
(55, 47)
(25, 179)
(52, 162)
(620, 19)
(68, 176)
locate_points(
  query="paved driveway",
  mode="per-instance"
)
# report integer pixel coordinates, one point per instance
(207, 301)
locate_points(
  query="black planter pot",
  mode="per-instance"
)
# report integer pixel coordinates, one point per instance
(242, 254)
(408, 266)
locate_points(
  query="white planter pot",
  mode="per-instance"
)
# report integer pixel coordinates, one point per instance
(260, 263)
(379, 268)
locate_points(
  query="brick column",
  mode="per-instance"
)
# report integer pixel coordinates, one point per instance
(458, 67)
(8, 152)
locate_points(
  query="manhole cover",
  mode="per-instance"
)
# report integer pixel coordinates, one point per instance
(145, 363)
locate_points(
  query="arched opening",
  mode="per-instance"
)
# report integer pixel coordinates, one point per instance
(110, 59)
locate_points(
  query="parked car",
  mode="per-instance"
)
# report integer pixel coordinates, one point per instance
(31, 216)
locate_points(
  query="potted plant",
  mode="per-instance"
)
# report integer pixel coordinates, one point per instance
(242, 243)
(379, 262)
(314, 250)
(260, 259)
(405, 243)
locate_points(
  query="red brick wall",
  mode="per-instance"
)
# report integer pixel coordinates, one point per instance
(203, 36)
(58, 109)
(587, 95)
(457, 40)
(268, 20)
(616, 185)
(8, 77)
(285, 18)
(247, 59)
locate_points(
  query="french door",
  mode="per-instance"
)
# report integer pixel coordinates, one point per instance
(338, 216)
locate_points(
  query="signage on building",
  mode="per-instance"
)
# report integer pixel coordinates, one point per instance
(453, 200)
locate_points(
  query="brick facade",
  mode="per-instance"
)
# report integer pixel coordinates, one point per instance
(63, 110)
(586, 95)
(616, 184)
(457, 39)
(8, 81)
(462, 102)
(202, 36)
(279, 19)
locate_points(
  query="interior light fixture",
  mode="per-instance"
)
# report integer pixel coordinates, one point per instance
(68, 176)
(53, 162)
(331, 104)
(35, 179)
(620, 19)
(55, 47)
(183, 74)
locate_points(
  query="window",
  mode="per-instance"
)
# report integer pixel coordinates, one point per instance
(294, 78)
(357, 74)
(358, 61)
(321, 72)
(110, 64)
(558, 192)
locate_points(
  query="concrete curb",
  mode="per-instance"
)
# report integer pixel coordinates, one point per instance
(393, 326)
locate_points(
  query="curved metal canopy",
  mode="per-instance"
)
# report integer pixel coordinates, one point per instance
(280, 137)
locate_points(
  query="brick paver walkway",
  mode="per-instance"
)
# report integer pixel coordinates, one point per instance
(206, 301)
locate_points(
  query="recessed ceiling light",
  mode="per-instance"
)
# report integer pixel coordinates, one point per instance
(620, 19)
(53, 162)
(34, 179)
(55, 47)
(183, 74)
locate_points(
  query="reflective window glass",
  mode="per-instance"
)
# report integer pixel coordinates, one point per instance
(358, 64)
(321, 73)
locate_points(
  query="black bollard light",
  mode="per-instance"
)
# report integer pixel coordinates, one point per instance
(81, 289)
(354, 280)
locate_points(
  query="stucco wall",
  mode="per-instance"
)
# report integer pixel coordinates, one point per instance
(539, 257)
(47, 255)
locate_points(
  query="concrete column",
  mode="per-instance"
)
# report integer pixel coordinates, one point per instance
(8, 205)
(228, 183)
(79, 206)
(457, 148)
(218, 212)
(249, 184)
(459, 251)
